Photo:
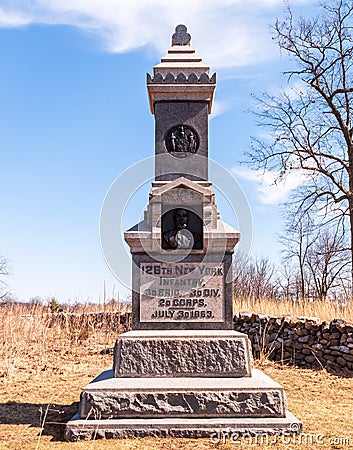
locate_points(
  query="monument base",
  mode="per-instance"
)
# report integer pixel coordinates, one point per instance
(181, 384)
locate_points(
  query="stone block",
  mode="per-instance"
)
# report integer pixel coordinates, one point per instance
(317, 346)
(334, 336)
(310, 359)
(108, 397)
(344, 349)
(201, 353)
(341, 361)
(81, 429)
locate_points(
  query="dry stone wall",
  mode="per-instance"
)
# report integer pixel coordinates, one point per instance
(304, 341)
(117, 322)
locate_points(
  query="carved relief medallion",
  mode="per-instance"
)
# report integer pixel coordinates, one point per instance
(182, 140)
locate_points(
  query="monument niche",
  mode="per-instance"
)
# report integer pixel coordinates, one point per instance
(182, 371)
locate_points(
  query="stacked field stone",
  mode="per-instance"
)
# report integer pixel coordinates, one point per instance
(304, 341)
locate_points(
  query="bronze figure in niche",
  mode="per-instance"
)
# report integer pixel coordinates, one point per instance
(182, 140)
(181, 236)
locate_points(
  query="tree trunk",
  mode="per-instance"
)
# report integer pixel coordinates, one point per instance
(350, 202)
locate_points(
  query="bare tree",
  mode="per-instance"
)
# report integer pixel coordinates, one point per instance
(290, 282)
(311, 124)
(4, 272)
(297, 240)
(327, 262)
(321, 259)
(255, 278)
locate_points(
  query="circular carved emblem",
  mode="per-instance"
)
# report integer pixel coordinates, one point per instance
(182, 140)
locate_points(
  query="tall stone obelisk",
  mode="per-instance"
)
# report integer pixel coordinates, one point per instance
(182, 371)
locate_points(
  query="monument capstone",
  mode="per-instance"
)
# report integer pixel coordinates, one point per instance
(182, 371)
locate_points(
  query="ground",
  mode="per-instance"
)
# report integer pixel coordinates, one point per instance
(45, 363)
(36, 403)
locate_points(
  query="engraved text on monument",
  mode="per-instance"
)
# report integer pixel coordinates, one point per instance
(182, 292)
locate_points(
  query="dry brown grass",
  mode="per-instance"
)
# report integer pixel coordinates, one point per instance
(43, 370)
(30, 343)
(324, 310)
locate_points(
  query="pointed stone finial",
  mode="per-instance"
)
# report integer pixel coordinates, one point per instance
(181, 36)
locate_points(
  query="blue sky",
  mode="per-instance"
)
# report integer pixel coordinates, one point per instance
(74, 115)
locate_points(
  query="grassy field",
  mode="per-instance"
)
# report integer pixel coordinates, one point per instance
(322, 309)
(43, 370)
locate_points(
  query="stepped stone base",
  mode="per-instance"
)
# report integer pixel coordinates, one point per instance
(181, 383)
(182, 353)
(215, 429)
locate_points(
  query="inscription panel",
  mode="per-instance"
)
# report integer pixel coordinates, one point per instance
(182, 292)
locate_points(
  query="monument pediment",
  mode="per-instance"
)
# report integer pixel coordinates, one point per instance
(204, 189)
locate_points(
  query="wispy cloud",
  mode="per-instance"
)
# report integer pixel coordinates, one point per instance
(13, 19)
(230, 32)
(218, 108)
(271, 189)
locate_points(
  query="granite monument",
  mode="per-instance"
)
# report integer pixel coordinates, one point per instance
(182, 371)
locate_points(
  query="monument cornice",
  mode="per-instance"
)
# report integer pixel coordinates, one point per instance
(181, 92)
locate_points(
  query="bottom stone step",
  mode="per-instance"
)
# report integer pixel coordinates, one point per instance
(234, 430)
